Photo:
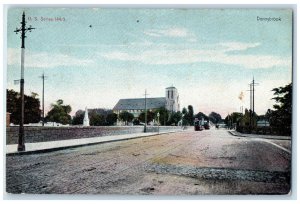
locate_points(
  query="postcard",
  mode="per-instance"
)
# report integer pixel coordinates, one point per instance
(149, 101)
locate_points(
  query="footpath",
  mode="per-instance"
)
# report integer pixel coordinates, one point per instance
(43, 147)
(275, 137)
(282, 142)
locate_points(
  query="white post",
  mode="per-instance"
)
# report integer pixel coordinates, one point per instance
(86, 120)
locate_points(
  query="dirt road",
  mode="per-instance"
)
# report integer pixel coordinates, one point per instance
(184, 163)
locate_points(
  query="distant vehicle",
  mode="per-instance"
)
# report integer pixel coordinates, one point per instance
(206, 126)
(197, 125)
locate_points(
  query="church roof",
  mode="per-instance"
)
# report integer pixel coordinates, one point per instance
(139, 103)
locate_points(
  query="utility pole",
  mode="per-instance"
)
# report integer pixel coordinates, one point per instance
(252, 90)
(43, 109)
(23, 29)
(253, 84)
(145, 127)
(158, 121)
(250, 110)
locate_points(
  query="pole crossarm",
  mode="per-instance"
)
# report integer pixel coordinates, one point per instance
(23, 29)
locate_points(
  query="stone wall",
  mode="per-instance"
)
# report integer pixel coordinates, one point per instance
(45, 134)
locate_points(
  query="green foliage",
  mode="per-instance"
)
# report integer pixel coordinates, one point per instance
(175, 118)
(184, 111)
(163, 115)
(188, 115)
(245, 119)
(185, 122)
(96, 119)
(234, 117)
(201, 115)
(111, 118)
(185, 117)
(59, 113)
(78, 118)
(215, 117)
(283, 96)
(268, 115)
(281, 117)
(32, 112)
(136, 121)
(150, 116)
(126, 116)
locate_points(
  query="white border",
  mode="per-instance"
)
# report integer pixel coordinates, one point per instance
(158, 4)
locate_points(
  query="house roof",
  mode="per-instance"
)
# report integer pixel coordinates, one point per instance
(139, 103)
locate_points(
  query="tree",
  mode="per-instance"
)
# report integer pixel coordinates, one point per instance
(111, 118)
(234, 117)
(215, 117)
(101, 111)
(189, 116)
(96, 119)
(59, 113)
(245, 121)
(268, 115)
(201, 115)
(136, 121)
(163, 115)
(185, 117)
(32, 112)
(281, 117)
(150, 116)
(184, 111)
(126, 116)
(175, 118)
(78, 118)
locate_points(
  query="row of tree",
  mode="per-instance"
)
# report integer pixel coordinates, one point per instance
(32, 113)
(60, 113)
(280, 118)
(97, 117)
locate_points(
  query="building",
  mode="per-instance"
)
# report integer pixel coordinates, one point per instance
(172, 99)
(263, 123)
(137, 105)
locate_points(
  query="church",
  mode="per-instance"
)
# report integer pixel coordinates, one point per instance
(137, 105)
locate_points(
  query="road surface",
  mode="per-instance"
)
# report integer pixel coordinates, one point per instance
(184, 163)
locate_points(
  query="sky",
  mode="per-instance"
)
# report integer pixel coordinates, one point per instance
(93, 57)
